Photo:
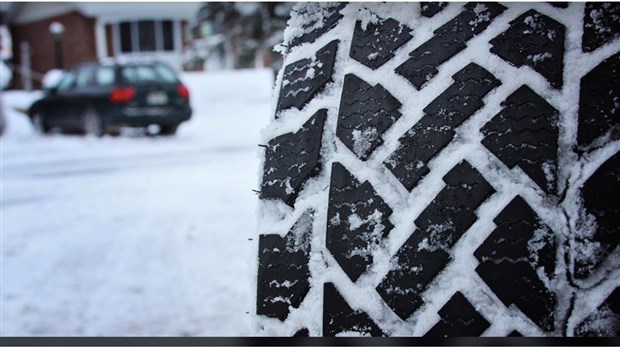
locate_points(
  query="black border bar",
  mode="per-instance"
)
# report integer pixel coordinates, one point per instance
(302, 341)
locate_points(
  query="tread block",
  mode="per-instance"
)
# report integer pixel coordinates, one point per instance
(316, 19)
(375, 44)
(599, 109)
(449, 39)
(340, 319)
(537, 41)
(559, 4)
(525, 133)
(291, 159)
(302, 333)
(600, 196)
(436, 129)
(283, 269)
(510, 258)
(305, 78)
(601, 24)
(605, 321)
(365, 113)
(427, 251)
(429, 9)
(357, 221)
(458, 319)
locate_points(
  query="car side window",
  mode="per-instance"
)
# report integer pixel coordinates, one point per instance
(105, 76)
(166, 74)
(67, 81)
(85, 78)
(146, 74)
(140, 74)
(129, 75)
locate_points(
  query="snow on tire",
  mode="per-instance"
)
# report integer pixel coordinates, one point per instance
(443, 170)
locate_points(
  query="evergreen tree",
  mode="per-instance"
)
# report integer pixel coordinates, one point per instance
(241, 35)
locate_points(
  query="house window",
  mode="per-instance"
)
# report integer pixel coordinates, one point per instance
(166, 27)
(125, 35)
(146, 36)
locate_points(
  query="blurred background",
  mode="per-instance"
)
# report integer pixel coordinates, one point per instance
(134, 234)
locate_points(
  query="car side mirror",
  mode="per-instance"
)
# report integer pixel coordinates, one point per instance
(51, 90)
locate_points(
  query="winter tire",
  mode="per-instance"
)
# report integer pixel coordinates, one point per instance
(38, 122)
(92, 124)
(168, 130)
(443, 170)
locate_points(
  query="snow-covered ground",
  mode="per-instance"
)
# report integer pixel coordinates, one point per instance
(135, 235)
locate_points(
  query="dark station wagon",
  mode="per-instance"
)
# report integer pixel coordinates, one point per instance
(100, 98)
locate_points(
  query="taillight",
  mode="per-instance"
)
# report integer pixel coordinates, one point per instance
(183, 91)
(122, 94)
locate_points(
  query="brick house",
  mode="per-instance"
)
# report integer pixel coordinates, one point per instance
(96, 31)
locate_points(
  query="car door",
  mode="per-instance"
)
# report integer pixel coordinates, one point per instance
(53, 105)
(77, 99)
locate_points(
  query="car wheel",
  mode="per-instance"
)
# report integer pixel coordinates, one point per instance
(168, 129)
(2, 122)
(92, 123)
(443, 170)
(38, 121)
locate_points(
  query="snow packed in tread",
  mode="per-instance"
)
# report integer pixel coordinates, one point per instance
(365, 113)
(427, 251)
(449, 39)
(534, 40)
(509, 260)
(283, 271)
(357, 221)
(437, 128)
(525, 133)
(291, 158)
(543, 246)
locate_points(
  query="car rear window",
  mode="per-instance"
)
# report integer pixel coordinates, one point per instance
(105, 76)
(148, 73)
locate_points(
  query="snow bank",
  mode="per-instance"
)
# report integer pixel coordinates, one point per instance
(14, 104)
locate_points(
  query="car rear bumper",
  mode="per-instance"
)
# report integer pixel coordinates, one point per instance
(130, 116)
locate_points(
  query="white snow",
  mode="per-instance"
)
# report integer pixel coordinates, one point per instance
(52, 78)
(135, 235)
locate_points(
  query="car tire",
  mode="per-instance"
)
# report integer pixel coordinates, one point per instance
(443, 170)
(39, 122)
(2, 122)
(92, 123)
(168, 130)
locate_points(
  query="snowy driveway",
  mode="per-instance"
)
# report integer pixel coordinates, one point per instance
(136, 236)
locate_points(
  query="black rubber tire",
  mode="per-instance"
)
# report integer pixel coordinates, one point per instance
(92, 123)
(39, 123)
(443, 170)
(168, 130)
(2, 122)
